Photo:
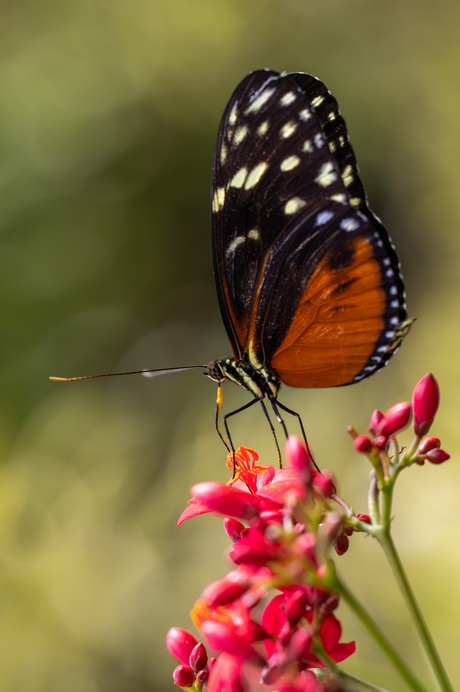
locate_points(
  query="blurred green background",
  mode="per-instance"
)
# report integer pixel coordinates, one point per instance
(108, 115)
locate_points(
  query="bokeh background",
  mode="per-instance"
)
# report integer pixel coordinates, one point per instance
(108, 115)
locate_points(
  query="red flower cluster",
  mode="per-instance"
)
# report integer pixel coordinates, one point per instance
(270, 623)
(384, 426)
(271, 620)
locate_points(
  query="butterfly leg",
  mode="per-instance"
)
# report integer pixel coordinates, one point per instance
(280, 420)
(233, 413)
(299, 420)
(264, 409)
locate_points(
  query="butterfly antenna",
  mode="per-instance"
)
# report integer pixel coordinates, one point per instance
(145, 373)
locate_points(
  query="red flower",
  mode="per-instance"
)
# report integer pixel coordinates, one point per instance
(425, 401)
(254, 489)
(319, 624)
(281, 528)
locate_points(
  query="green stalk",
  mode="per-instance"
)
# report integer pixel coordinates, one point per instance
(384, 643)
(386, 541)
(350, 683)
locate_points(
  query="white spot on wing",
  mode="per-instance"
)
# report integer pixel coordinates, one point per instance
(288, 129)
(294, 205)
(233, 115)
(318, 140)
(289, 163)
(223, 154)
(260, 101)
(263, 128)
(255, 175)
(349, 224)
(305, 115)
(326, 175)
(317, 101)
(254, 234)
(218, 199)
(347, 175)
(234, 244)
(308, 146)
(239, 178)
(288, 98)
(240, 134)
(323, 217)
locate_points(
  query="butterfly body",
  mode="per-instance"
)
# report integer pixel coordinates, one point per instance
(260, 381)
(308, 281)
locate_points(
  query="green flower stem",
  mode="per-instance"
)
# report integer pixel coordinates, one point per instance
(350, 683)
(384, 643)
(373, 499)
(386, 541)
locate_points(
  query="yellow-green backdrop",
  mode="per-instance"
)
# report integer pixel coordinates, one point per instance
(108, 114)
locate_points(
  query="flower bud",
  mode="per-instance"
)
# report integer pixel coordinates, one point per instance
(233, 529)
(341, 544)
(376, 417)
(183, 676)
(295, 605)
(362, 444)
(180, 644)
(300, 458)
(381, 442)
(202, 676)
(365, 518)
(429, 443)
(198, 657)
(425, 401)
(437, 456)
(395, 419)
(324, 483)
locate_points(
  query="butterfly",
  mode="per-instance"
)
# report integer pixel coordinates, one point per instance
(308, 280)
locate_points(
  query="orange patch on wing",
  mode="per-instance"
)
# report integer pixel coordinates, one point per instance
(337, 323)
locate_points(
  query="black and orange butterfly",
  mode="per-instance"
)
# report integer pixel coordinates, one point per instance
(308, 280)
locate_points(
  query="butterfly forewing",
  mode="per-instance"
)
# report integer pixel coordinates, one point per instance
(308, 280)
(270, 148)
